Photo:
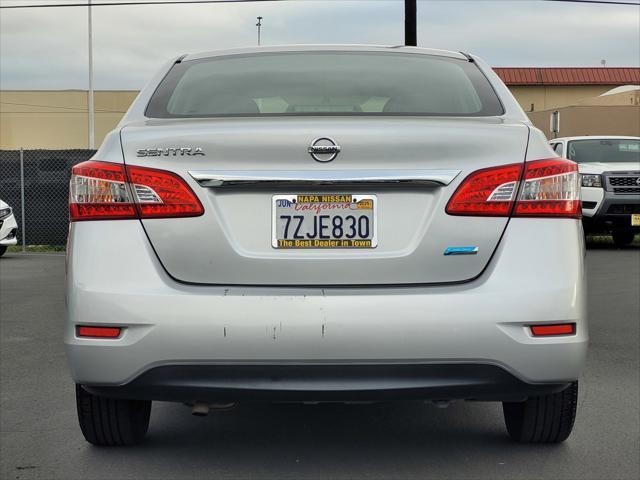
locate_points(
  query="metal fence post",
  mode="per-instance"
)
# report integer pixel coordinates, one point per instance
(23, 236)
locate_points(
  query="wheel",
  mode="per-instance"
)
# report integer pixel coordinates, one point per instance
(111, 422)
(3, 248)
(542, 419)
(622, 238)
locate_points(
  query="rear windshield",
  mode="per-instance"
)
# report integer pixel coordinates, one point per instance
(324, 83)
(604, 151)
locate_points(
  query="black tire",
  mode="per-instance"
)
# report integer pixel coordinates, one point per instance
(543, 419)
(111, 422)
(622, 238)
(3, 248)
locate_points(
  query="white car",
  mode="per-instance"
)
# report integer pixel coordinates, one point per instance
(8, 227)
(325, 223)
(610, 169)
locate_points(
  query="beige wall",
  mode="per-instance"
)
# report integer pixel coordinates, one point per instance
(58, 119)
(591, 120)
(546, 97)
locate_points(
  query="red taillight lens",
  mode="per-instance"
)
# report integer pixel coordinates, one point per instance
(548, 188)
(108, 191)
(98, 332)
(488, 192)
(162, 194)
(551, 330)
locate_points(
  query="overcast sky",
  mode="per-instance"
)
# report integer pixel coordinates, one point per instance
(46, 48)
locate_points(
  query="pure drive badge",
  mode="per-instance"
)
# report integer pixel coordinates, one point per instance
(171, 151)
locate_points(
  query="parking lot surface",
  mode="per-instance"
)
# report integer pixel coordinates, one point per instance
(39, 436)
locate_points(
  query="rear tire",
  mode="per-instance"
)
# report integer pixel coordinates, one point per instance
(3, 248)
(622, 238)
(111, 422)
(543, 419)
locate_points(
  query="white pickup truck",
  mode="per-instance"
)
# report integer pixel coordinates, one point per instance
(610, 170)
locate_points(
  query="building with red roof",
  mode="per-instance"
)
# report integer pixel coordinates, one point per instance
(546, 88)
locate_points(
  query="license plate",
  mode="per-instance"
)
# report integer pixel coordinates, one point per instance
(635, 220)
(324, 221)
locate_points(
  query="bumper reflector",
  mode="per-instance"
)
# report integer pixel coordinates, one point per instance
(99, 332)
(551, 330)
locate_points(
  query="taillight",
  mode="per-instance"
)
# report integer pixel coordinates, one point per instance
(160, 193)
(99, 191)
(546, 188)
(108, 191)
(487, 192)
(551, 188)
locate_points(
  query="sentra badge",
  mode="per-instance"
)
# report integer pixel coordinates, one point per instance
(170, 152)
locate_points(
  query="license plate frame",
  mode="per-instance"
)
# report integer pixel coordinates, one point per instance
(356, 203)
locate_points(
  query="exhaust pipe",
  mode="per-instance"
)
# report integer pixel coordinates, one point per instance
(200, 409)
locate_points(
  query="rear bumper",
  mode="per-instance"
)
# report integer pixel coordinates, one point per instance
(536, 276)
(614, 211)
(230, 383)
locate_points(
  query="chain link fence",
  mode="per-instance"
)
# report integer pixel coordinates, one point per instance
(35, 183)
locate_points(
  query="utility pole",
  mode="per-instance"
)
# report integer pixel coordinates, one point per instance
(410, 23)
(259, 25)
(91, 109)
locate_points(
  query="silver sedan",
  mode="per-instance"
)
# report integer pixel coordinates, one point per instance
(325, 223)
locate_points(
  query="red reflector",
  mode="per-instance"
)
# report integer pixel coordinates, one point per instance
(99, 332)
(549, 330)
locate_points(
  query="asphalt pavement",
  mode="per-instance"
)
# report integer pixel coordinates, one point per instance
(40, 438)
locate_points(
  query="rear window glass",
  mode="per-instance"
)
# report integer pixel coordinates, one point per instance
(324, 83)
(604, 151)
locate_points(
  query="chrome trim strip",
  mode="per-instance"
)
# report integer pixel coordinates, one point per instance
(221, 178)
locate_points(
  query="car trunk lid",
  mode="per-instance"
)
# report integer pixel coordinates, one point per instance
(232, 243)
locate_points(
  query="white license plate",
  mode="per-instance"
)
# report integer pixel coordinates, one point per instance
(635, 220)
(324, 221)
